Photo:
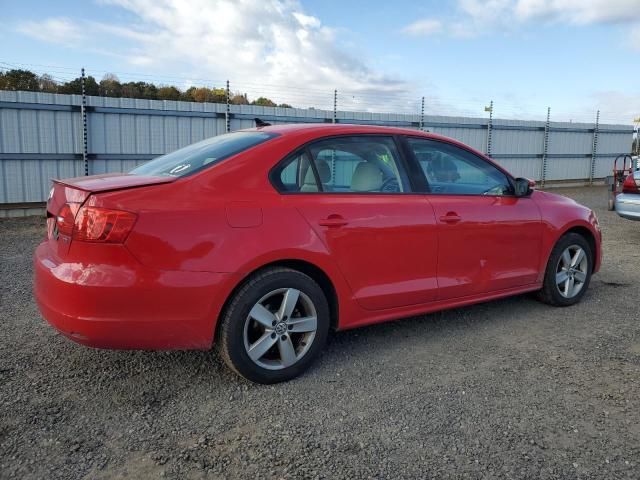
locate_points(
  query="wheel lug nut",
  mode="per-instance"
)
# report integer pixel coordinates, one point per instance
(290, 327)
(283, 338)
(273, 324)
(273, 335)
(285, 318)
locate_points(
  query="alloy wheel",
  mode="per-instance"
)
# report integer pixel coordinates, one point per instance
(571, 271)
(280, 328)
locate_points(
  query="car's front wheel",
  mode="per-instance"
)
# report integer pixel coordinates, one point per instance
(274, 326)
(568, 271)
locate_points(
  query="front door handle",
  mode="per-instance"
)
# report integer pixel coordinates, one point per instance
(450, 217)
(333, 221)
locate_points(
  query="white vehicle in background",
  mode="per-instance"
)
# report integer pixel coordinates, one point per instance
(627, 203)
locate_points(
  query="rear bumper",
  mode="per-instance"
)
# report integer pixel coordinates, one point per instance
(628, 206)
(124, 305)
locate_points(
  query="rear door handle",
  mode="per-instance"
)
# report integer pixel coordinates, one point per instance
(333, 221)
(450, 217)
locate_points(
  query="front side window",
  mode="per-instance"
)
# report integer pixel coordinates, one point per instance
(452, 170)
(359, 164)
(202, 154)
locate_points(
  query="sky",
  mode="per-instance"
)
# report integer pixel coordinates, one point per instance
(575, 56)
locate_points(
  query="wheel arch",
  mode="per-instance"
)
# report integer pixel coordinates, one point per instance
(304, 266)
(588, 235)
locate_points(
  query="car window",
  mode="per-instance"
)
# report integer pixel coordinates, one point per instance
(297, 175)
(201, 154)
(359, 164)
(453, 170)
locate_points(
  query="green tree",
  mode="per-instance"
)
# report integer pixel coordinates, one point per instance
(74, 86)
(131, 90)
(148, 90)
(168, 93)
(239, 99)
(20, 80)
(219, 95)
(285, 105)
(110, 86)
(187, 95)
(263, 102)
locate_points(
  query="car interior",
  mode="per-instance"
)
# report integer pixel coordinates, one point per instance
(345, 167)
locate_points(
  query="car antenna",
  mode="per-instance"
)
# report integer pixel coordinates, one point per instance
(261, 123)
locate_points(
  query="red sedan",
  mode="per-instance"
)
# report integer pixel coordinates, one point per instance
(262, 240)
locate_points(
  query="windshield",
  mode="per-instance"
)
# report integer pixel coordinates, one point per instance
(202, 154)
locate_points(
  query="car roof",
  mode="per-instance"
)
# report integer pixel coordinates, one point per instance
(304, 132)
(325, 129)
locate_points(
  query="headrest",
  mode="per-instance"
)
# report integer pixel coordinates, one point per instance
(366, 178)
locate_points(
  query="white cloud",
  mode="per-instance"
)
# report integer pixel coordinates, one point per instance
(270, 42)
(579, 12)
(258, 42)
(424, 27)
(56, 30)
(474, 17)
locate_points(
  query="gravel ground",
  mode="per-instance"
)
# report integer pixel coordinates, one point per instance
(507, 389)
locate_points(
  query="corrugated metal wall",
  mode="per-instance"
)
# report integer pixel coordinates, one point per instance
(41, 137)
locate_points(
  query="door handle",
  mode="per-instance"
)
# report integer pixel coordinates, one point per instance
(333, 221)
(450, 217)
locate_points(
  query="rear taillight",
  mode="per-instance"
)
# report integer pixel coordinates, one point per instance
(630, 185)
(94, 224)
(65, 219)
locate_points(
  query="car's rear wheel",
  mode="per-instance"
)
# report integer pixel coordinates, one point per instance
(568, 271)
(274, 326)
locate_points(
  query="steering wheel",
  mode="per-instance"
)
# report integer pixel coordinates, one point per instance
(390, 185)
(496, 190)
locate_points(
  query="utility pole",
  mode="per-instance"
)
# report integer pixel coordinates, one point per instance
(594, 148)
(489, 127)
(637, 122)
(545, 148)
(227, 113)
(83, 113)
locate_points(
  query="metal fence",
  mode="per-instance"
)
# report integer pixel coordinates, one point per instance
(45, 136)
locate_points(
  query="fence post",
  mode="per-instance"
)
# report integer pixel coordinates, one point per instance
(545, 148)
(422, 115)
(594, 148)
(227, 113)
(489, 127)
(83, 113)
(335, 106)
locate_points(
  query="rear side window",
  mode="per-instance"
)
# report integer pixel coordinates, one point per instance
(359, 164)
(345, 164)
(297, 175)
(202, 154)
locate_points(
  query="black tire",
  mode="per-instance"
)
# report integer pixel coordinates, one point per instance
(231, 334)
(550, 292)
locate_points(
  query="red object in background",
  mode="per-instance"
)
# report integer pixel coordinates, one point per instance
(148, 261)
(629, 185)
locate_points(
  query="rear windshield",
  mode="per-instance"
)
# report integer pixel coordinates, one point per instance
(202, 154)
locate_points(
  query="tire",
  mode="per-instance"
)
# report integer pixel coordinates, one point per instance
(555, 289)
(266, 314)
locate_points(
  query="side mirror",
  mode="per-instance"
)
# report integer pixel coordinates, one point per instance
(523, 187)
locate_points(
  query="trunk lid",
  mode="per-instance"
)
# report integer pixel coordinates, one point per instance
(113, 181)
(75, 191)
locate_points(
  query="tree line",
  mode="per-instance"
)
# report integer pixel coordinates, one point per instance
(110, 86)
